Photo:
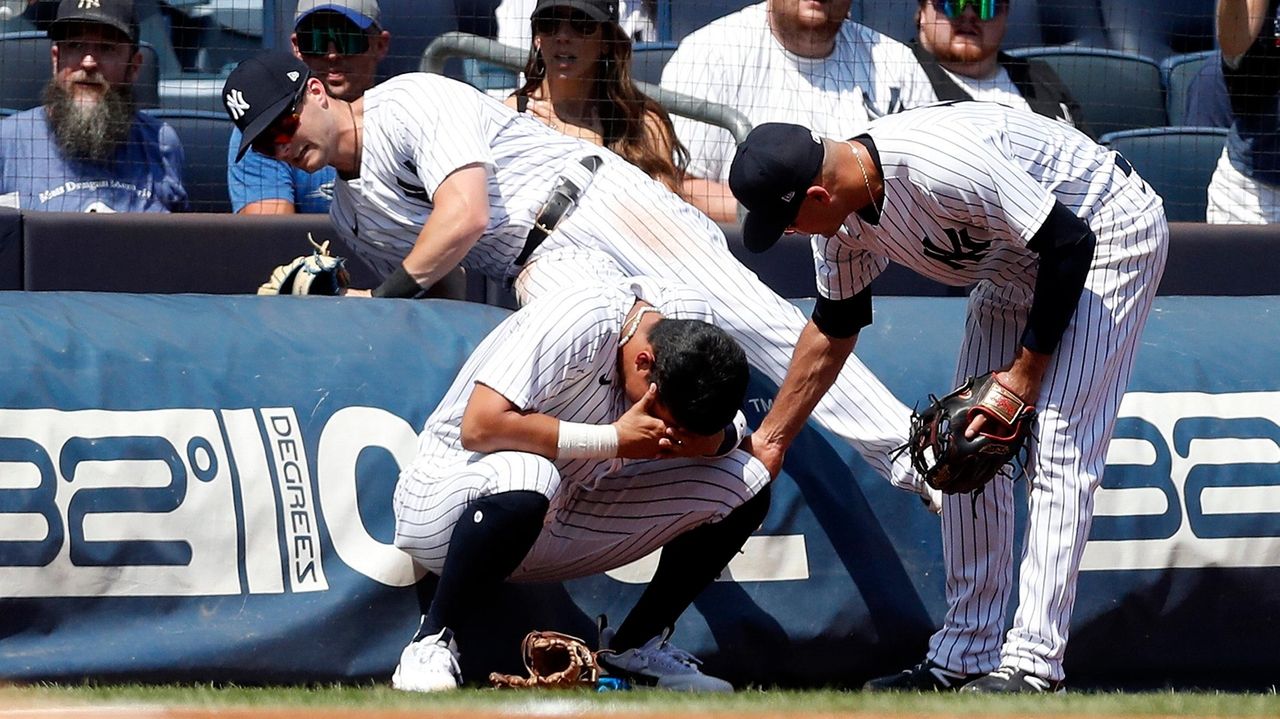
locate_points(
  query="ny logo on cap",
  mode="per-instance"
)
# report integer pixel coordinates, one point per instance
(787, 197)
(236, 104)
(89, 5)
(292, 75)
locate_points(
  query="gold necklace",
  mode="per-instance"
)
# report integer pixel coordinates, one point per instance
(634, 324)
(866, 179)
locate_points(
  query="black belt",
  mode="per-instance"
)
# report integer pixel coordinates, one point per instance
(562, 201)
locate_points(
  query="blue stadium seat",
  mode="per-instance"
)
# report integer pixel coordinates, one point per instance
(1179, 71)
(204, 144)
(1072, 22)
(1116, 90)
(648, 59)
(689, 15)
(1159, 29)
(1177, 162)
(413, 25)
(477, 17)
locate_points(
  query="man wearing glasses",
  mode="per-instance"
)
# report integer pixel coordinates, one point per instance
(958, 45)
(87, 148)
(341, 41)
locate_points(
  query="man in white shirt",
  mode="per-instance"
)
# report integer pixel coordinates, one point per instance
(799, 61)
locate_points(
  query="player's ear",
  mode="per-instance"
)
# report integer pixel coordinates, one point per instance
(819, 194)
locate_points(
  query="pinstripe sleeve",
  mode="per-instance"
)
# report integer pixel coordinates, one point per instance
(842, 271)
(444, 124)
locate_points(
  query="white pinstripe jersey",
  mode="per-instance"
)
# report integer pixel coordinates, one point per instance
(966, 187)
(557, 356)
(418, 129)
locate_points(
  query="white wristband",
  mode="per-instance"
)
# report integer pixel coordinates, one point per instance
(586, 441)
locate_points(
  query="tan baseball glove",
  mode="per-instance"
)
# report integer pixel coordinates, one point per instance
(553, 660)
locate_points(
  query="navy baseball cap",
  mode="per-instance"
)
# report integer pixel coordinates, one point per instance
(599, 10)
(772, 170)
(118, 14)
(259, 90)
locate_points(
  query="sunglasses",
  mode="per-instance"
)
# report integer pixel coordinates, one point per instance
(346, 38)
(281, 131)
(985, 9)
(578, 23)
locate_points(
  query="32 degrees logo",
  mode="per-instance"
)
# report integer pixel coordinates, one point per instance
(1192, 480)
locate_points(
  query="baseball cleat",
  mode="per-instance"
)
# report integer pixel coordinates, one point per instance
(923, 677)
(1007, 680)
(660, 665)
(429, 665)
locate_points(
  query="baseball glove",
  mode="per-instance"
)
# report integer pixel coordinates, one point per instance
(945, 458)
(319, 273)
(553, 660)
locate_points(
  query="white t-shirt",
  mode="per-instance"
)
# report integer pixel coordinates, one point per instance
(997, 88)
(737, 61)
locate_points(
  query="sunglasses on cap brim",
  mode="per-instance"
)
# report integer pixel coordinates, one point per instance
(985, 9)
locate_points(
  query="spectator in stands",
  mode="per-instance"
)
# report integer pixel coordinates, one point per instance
(637, 19)
(1246, 185)
(786, 61)
(1207, 102)
(586, 89)
(341, 41)
(87, 148)
(958, 45)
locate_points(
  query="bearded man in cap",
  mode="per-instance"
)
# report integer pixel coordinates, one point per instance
(87, 148)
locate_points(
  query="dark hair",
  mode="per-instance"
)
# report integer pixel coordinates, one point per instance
(623, 110)
(701, 373)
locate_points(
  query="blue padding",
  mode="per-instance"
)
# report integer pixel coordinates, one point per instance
(198, 488)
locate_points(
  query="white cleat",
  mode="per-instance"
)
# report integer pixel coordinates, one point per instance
(429, 665)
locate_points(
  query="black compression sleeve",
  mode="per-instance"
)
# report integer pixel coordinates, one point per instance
(843, 319)
(1065, 245)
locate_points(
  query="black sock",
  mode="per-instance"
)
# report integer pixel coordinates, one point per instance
(491, 538)
(689, 563)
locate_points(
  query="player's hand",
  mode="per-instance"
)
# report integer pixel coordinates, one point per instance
(353, 292)
(1023, 378)
(770, 454)
(640, 434)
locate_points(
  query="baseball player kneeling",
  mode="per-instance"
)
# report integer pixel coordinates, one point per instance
(586, 431)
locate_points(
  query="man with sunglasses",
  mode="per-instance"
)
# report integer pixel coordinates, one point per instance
(801, 61)
(87, 148)
(341, 42)
(958, 45)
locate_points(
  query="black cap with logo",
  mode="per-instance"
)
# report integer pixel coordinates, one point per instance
(118, 14)
(599, 10)
(259, 90)
(772, 170)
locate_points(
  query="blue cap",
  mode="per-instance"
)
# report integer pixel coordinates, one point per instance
(772, 170)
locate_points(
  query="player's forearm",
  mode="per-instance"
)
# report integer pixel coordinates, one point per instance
(441, 247)
(509, 431)
(815, 364)
(1239, 22)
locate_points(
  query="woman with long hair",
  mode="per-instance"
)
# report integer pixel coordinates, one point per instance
(578, 81)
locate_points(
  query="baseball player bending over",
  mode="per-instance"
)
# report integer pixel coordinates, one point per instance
(433, 173)
(1065, 245)
(587, 430)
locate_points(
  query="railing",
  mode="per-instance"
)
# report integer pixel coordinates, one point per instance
(464, 45)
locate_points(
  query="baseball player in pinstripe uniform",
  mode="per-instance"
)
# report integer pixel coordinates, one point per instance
(433, 173)
(1065, 245)
(587, 430)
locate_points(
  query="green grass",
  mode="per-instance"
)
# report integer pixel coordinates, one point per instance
(1201, 704)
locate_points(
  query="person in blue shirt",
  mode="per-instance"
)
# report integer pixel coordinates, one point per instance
(87, 148)
(341, 41)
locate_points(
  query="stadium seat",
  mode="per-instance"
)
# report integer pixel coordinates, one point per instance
(1071, 22)
(1159, 29)
(413, 25)
(1178, 72)
(1177, 162)
(648, 59)
(689, 15)
(204, 144)
(1116, 91)
(897, 19)
(477, 17)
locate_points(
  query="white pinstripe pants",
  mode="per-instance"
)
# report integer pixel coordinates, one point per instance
(1077, 409)
(597, 521)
